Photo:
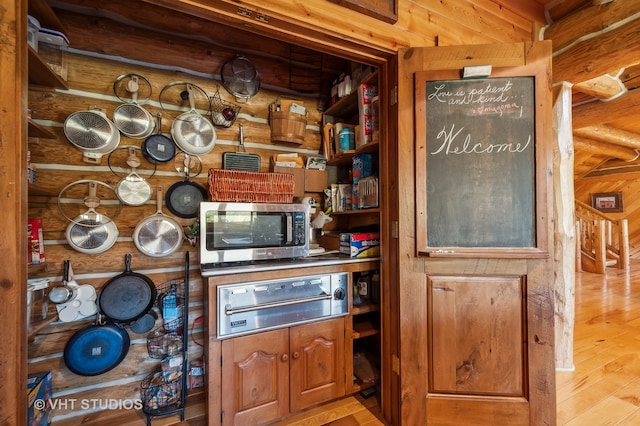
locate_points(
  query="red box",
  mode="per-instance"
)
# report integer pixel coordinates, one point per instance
(35, 242)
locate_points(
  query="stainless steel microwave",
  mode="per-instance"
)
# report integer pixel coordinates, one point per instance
(240, 232)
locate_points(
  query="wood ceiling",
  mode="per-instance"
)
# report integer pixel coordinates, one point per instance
(596, 45)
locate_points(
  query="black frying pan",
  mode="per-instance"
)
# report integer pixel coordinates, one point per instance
(96, 349)
(128, 296)
(183, 198)
(158, 148)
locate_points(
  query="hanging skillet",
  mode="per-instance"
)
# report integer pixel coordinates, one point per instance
(191, 131)
(240, 78)
(133, 189)
(183, 198)
(97, 348)
(128, 296)
(130, 118)
(90, 232)
(158, 235)
(158, 148)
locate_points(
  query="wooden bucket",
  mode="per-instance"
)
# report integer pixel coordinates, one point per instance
(287, 127)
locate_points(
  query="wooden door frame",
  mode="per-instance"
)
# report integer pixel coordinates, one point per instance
(13, 187)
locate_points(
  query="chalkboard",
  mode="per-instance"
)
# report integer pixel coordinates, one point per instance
(480, 165)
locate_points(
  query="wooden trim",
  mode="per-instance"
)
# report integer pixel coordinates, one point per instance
(386, 11)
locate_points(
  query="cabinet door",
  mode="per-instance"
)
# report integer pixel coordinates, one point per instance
(317, 363)
(255, 378)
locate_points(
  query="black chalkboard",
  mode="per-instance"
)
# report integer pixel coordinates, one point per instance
(480, 165)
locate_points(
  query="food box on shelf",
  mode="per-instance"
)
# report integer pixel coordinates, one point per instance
(39, 391)
(360, 245)
(35, 242)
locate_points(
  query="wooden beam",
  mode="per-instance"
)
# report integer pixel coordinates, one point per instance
(555, 10)
(603, 88)
(604, 148)
(609, 135)
(597, 112)
(605, 54)
(589, 22)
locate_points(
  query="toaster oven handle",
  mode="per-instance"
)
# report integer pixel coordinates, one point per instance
(230, 311)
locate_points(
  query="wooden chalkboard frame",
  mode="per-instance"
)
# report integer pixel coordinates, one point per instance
(539, 187)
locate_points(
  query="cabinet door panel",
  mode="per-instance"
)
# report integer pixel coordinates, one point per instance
(255, 378)
(317, 363)
(477, 335)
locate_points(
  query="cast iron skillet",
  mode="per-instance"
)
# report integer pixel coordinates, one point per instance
(128, 296)
(97, 348)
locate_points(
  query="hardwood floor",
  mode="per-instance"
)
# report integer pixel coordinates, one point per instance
(604, 388)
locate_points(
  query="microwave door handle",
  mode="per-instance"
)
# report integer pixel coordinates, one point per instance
(289, 228)
(230, 311)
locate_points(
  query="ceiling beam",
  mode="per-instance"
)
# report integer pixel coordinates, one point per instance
(610, 150)
(604, 54)
(605, 87)
(597, 112)
(588, 22)
(610, 135)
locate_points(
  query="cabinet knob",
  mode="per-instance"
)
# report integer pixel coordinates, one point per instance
(295, 355)
(284, 358)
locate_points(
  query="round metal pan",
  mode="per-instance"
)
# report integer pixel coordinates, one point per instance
(133, 189)
(157, 147)
(183, 198)
(192, 132)
(127, 296)
(158, 235)
(96, 349)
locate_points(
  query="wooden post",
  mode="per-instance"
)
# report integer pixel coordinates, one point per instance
(566, 248)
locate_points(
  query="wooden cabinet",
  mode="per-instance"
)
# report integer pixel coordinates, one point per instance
(267, 375)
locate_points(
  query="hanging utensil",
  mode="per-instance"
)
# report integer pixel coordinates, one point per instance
(158, 235)
(128, 296)
(192, 132)
(240, 78)
(130, 118)
(83, 303)
(97, 348)
(64, 292)
(158, 148)
(133, 189)
(241, 160)
(93, 133)
(90, 232)
(183, 198)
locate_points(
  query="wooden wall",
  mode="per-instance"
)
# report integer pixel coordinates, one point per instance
(629, 185)
(59, 163)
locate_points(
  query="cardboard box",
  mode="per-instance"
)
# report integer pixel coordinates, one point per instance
(360, 245)
(298, 178)
(315, 180)
(39, 389)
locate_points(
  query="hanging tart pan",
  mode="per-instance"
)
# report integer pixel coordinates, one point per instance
(130, 118)
(96, 349)
(90, 232)
(158, 235)
(183, 198)
(191, 131)
(127, 296)
(158, 148)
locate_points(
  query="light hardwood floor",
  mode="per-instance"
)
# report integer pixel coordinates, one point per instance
(604, 388)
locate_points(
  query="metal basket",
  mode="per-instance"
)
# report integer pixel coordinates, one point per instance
(161, 343)
(159, 393)
(218, 107)
(171, 303)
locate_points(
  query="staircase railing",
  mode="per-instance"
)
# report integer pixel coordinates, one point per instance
(603, 241)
